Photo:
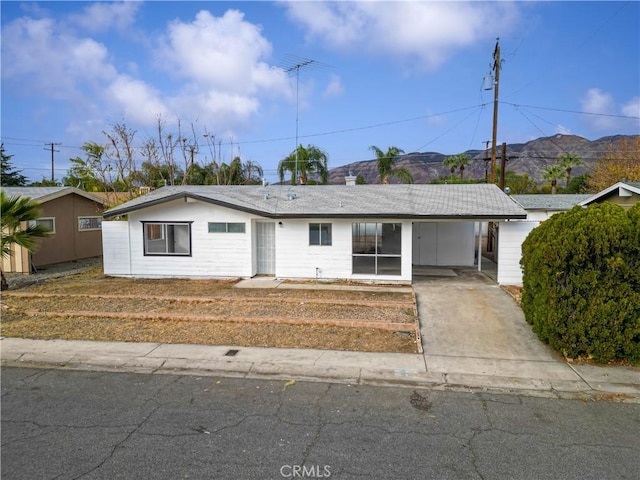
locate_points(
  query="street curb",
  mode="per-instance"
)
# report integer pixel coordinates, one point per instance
(392, 380)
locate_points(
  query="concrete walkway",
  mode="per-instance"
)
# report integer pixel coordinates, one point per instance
(475, 338)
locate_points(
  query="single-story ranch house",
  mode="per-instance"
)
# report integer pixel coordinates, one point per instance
(74, 218)
(356, 232)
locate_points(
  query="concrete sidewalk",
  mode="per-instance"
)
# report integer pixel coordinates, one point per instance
(474, 337)
(533, 377)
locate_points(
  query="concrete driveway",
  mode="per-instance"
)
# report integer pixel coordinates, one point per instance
(473, 330)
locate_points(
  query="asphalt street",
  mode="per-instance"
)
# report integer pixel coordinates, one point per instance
(60, 424)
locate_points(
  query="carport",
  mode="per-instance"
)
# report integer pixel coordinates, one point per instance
(451, 244)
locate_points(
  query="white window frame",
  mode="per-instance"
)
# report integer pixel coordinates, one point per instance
(376, 254)
(80, 229)
(165, 237)
(320, 239)
(226, 227)
(43, 219)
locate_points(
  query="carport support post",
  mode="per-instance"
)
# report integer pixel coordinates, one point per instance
(479, 246)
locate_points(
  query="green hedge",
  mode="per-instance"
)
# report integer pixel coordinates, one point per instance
(581, 282)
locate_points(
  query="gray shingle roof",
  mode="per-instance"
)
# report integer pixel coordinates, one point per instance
(468, 201)
(44, 194)
(559, 202)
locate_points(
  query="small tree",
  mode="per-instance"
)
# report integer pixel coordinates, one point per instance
(621, 161)
(305, 161)
(17, 213)
(91, 174)
(386, 165)
(568, 161)
(455, 162)
(8, 176)
(519, 184)
(552, 173)
(578, 184)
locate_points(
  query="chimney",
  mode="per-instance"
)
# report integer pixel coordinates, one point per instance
(350, 179)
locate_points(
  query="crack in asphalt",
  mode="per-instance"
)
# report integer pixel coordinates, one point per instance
(320, 426)
(117, 445)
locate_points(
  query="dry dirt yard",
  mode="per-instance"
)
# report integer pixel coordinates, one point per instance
(90, 306)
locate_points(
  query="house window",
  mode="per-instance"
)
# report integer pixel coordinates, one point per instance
(167, 238)
(377, 248)
(222, 227)
(89, 223)
(48, 223)
(319, 234)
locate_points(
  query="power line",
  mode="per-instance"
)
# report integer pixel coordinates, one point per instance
(353, 129)
(632, 117)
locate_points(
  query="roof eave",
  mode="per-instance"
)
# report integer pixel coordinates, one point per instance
(114, 212)
(416, 217)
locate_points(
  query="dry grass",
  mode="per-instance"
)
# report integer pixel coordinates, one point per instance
(90, 306)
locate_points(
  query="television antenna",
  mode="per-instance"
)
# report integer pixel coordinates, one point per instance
(289, 65)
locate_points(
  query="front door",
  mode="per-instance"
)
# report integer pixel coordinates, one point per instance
(266, 248)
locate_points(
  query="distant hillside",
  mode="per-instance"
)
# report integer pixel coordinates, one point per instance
(530, 158)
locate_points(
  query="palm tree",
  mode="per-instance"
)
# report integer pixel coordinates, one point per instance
(568, 161)
(17, 212)
(552, 173)
(386, 161)
(308, 160)
(457, 161)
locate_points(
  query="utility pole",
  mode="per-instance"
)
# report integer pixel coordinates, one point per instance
(52, 146)
(496, 68)
(486, 160)
(503, 165)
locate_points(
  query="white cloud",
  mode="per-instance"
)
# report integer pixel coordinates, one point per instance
(632, 108)
(224, 62)
(562, 130)
(334, 88)
(600, 103)
(426, 31)
(41, 56)
(100, 17)
(225, 53)
(219, 64)
(137, 101)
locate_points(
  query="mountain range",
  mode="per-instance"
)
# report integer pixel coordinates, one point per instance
(531, 158)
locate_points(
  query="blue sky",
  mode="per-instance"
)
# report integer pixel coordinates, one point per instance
(407, 74)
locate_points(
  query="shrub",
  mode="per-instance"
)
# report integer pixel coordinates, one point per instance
(581, 282)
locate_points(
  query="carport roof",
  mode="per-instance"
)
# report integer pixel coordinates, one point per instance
(458, 202)
(556, 202)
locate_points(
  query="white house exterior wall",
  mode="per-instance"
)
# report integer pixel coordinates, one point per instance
(116, 251)
(212, 254)
(295, 258)
(512, 234)
(234, 254)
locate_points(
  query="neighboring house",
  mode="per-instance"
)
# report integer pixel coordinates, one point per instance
(625, 194)
(74, 218)
(363, 232)
(541, 207)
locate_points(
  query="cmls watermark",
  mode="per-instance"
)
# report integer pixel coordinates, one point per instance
(305, 471)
